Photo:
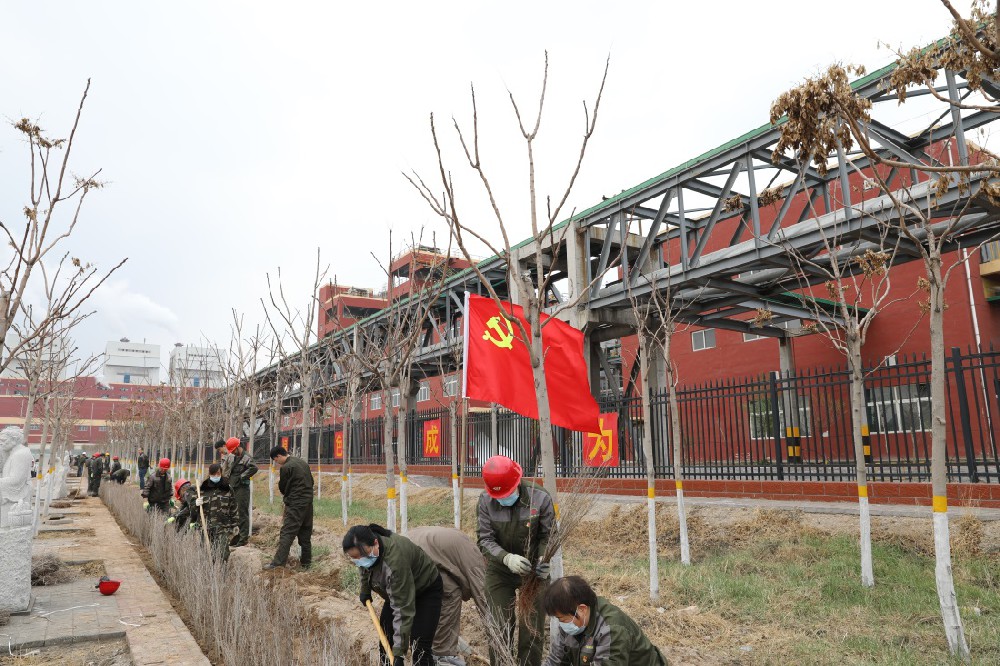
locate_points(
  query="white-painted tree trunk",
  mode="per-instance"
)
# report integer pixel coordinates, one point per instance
(390, 468)
(404, 516)
(953, 629)
(645, 349)
(859, 426)
(270, 483)
(675, 436)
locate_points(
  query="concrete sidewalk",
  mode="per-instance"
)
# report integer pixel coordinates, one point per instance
(834, 508)
(75, 612)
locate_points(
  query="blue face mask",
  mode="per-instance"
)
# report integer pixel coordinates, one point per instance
(569, 628)
(365, 562)
(215, 479)
(510, 500)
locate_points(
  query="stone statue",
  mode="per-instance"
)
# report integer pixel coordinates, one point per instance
(15, 521)
(15, 481)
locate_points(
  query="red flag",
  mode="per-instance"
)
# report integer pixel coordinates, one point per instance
(600, 448)
(498, 367)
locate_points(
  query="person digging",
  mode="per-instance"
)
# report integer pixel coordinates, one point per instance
(296, 485)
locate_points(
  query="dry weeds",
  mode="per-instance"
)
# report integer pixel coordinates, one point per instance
(47, 569)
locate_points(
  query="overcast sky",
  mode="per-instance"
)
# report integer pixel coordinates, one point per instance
(238, 137)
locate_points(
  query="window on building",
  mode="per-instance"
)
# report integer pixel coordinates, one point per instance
(703, 339)
(750, 337)
(328, 411)
(102, 428)
(127, 378)
(762, 416)
(375, 402)
(83, 428)
(451, 385)
(896, 409)
(395, 397)
(424, 392)
(196, 382)
(36, 426)
(285, 420)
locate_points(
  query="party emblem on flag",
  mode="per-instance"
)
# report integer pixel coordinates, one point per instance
(505, 339)
(600, 449)
(338, 445)
(432, 438)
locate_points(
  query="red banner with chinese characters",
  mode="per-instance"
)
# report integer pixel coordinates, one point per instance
(432, 438)
(284, 443)
(600, 449)
(338, 445)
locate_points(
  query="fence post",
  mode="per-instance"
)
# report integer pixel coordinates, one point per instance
(776, 425)
(963, 413)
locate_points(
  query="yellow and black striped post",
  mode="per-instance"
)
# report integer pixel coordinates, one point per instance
(866, 442)
(793, 443)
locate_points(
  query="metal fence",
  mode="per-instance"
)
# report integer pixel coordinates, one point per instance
(778, 427)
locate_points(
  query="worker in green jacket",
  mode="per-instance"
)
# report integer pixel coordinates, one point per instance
(408, 580)
(241, 471)
(593, 631)
(514, 521)
(295, 482)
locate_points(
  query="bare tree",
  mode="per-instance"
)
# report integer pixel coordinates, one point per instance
(531, 282)
(52, 190)
(826, 116)
(299, 325)
(386, 352)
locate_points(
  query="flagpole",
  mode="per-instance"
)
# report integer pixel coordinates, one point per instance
(462, 440)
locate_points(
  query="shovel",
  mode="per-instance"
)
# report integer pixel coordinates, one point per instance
(381, 634)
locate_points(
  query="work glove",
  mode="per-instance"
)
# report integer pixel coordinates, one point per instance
(542, 570)
(172, 504)
(365, 597)
(517, 564)
(193, 526)
(199, 501)
(170, 520)
(145, 505)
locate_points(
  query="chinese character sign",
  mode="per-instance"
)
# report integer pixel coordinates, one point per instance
(600, 449)
(284, 443)
(432, 438)
(338, 445)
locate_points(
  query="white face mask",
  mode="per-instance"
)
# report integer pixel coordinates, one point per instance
(215, 479)
(569, 628)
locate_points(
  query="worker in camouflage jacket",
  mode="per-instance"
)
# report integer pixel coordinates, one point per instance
(593, 631)
(217, 504)
(95, 469)
(241, 471)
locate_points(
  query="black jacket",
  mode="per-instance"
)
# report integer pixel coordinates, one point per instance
(143, 461)
(159, 489)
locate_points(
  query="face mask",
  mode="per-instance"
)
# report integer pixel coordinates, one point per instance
(215, 479)
(569, 628)
(510, 500)
(365, 562)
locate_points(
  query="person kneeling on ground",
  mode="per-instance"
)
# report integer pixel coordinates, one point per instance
(295, 482)
(406, 577)
(158, 492)
(592, 631)
(463, 574)
(120, 476)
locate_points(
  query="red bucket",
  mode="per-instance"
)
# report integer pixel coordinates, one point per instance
(109, 587)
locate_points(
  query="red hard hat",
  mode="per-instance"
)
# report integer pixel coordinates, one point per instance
(232, 443)
(114, 458)
(164, 463)
(178, 484)
(501, 476)
(97, 455)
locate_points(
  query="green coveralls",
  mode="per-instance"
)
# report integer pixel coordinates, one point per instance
(239, 480)
(522, 529)
(296, 485)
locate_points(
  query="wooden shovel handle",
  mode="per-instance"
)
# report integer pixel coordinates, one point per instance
(378, 626)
